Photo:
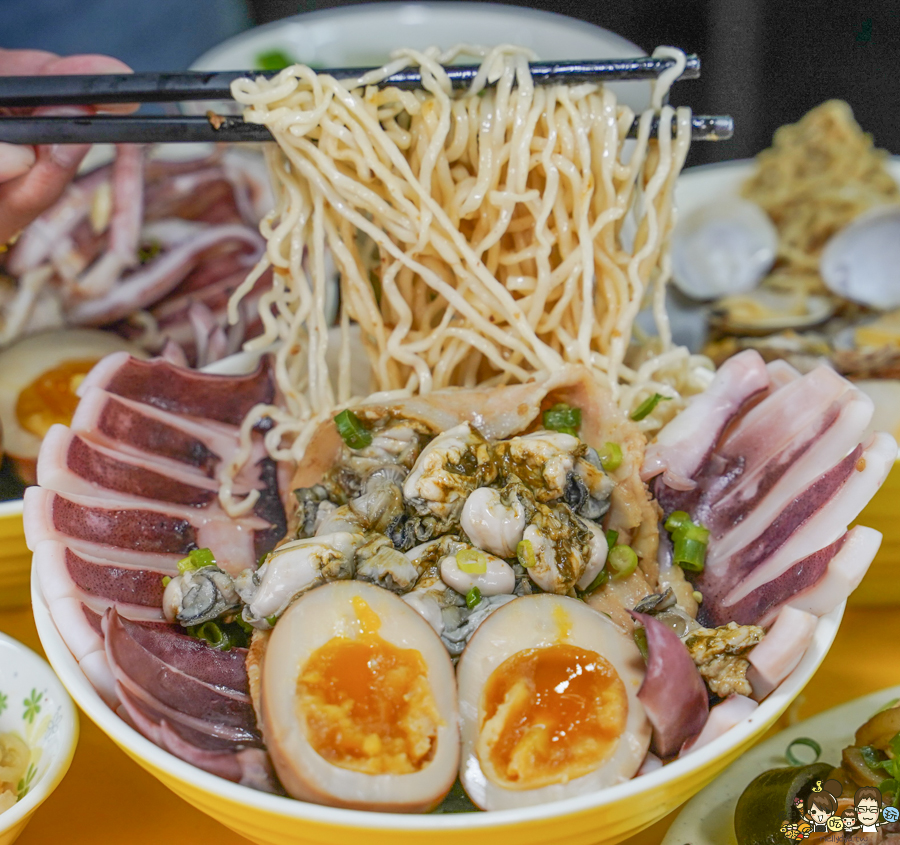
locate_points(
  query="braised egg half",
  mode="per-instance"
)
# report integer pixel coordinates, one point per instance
(548, 704)
(358, 701)
(39, 376)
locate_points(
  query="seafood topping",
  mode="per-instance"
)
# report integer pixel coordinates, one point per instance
(785, 473)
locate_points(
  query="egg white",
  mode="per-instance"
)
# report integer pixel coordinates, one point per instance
(534, 622)
(307, 625)
(26, 360)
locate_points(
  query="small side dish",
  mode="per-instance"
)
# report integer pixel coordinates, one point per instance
(859, 796)
(38, 735)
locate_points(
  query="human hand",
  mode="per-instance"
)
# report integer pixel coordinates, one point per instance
(33, 178)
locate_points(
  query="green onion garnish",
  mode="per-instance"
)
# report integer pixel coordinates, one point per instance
(690, 541)
(646, 407)
(808, 743)
(612, 537)
(166, 580)
(352, 431)
(689, 554)
(622, 561)
(273, 60)
(640, 640)
(525, 554)
(598, 582)
(563, 418)
(473, 598)
(196, 559)
(676, 520)
(211, 633)
(471, 561)
(272, 620)
(610, 456)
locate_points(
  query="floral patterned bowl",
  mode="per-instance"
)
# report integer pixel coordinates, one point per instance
(35, 706)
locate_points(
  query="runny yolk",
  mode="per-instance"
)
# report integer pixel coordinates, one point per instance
(51, 398)
(367, 704)
(550, 715)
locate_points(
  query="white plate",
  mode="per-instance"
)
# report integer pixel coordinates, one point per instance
(363, 35)
(698, 186)
(708, 818)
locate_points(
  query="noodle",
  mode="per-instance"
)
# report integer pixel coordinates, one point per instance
(480, 237)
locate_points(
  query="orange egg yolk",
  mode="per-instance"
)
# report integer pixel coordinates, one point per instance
(549, 715)
(367, 704)
(51, 398)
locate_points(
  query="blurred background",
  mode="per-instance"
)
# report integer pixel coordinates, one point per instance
(766, 62)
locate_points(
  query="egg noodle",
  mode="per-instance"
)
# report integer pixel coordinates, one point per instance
(481, 237)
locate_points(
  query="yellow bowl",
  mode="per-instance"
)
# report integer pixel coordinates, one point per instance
(608, 816)
(15, 559)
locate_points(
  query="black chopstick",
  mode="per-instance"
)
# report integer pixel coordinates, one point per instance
(113, 129)
(33, 91)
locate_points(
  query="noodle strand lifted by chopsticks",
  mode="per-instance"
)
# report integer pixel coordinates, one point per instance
(481, 237)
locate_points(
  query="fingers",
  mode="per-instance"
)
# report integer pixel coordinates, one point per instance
(90, 64)
(24, 197)
(33, 178)
(15, 160)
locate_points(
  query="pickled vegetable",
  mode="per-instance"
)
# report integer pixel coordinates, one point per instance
(769, 800)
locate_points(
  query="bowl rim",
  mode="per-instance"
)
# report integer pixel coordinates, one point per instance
(69, 672)
(11, 507)
(459, 7)
(69, 733)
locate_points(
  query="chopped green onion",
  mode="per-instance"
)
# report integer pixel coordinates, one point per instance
(693, 531)
(622, 561)
(646, 407)
(525, 554)
(676, 520)
(689, 554)
(563, 418)
(808, 743)
(352, 431)
(473, 598)
(273, 60)
(612, 537)
(149, 251)
(598, 582)
(698, 596)
(640, 640)
(870, 754)
(690, 541)
(166, 580)
(211, 633)
(196, 559)
(243, 624)
(610, 456)
(272, 620)
(471, 561)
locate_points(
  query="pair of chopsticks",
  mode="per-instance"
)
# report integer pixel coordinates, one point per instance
(35, 91)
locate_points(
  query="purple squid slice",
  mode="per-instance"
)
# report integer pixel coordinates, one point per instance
(673, 693)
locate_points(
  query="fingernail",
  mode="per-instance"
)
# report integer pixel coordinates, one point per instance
(68, 155)
(15, 160)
